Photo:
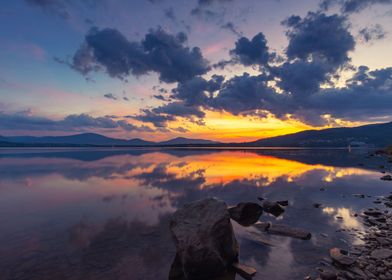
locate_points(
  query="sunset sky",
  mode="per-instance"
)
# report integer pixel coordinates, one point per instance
(228, 70)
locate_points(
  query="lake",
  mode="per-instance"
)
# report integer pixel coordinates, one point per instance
(104, 213)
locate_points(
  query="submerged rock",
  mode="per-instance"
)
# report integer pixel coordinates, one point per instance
(386, 178)
(273, 208)
(246, 213)
(289, 231)
(283, 202)
(205, 241)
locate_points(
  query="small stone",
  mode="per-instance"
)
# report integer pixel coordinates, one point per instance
(372, 212)
(283, 202)
(340, 256)
(246, 213)
(245, 271)
(381, 254)
(273, 208)
(328, 275)
(386, 178)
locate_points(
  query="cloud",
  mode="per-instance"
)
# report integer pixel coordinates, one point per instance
(56, 7)
(159, 52)
(197, 91)
(169, 13)
(352, 6)
(158, 120)
(319, 36)
(62, 8)
(74, 122)
(251, 52)
(110, 96)
(243, 95)
(302, 78)
(210, 2)
(372, 33)
(232, 28)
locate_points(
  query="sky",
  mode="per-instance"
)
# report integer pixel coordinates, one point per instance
(227, 70)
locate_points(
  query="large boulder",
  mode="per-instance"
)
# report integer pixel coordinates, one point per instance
(205, 241)
(246, 213)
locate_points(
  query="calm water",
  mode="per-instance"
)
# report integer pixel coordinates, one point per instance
(103, 214)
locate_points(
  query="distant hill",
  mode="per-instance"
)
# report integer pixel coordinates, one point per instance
(378, 134)
(78, 139)
(187, 141)
(93, 139)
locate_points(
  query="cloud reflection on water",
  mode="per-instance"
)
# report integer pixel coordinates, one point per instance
(105, 215)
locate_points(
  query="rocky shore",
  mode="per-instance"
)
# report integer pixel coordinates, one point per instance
(373, 258)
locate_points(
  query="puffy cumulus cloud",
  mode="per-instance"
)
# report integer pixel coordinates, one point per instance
(319, 36)
(186, 101)
(197, 91)
(162, 115)
(372, 33)
(301, 78)
(179, 109)
(251, 52)
(367, 95)
(244, 94)
(74, 122)
(352, 6)
(159, 52)
(149, 116)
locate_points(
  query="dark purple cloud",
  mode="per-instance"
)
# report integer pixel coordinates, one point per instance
(159, 52)
(251, 52)
(320, 36)
(372, 33)
(352, 6)
(74, 122)
(110, 96)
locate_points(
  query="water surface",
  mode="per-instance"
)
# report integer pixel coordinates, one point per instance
(103, 214)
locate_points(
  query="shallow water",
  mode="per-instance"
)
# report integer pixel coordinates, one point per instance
(103, 214)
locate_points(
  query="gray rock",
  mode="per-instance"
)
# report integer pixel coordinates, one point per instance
(381, 254)
(205, 241)
(245, 271)
(340, 256)
(246, 213)
(328, 275)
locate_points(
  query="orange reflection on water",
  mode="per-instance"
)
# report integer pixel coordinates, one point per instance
(227, 166)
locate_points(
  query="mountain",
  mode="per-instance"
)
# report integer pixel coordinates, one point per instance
(95, 139)
(379, 135)
(186, 141)
(78, 139)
